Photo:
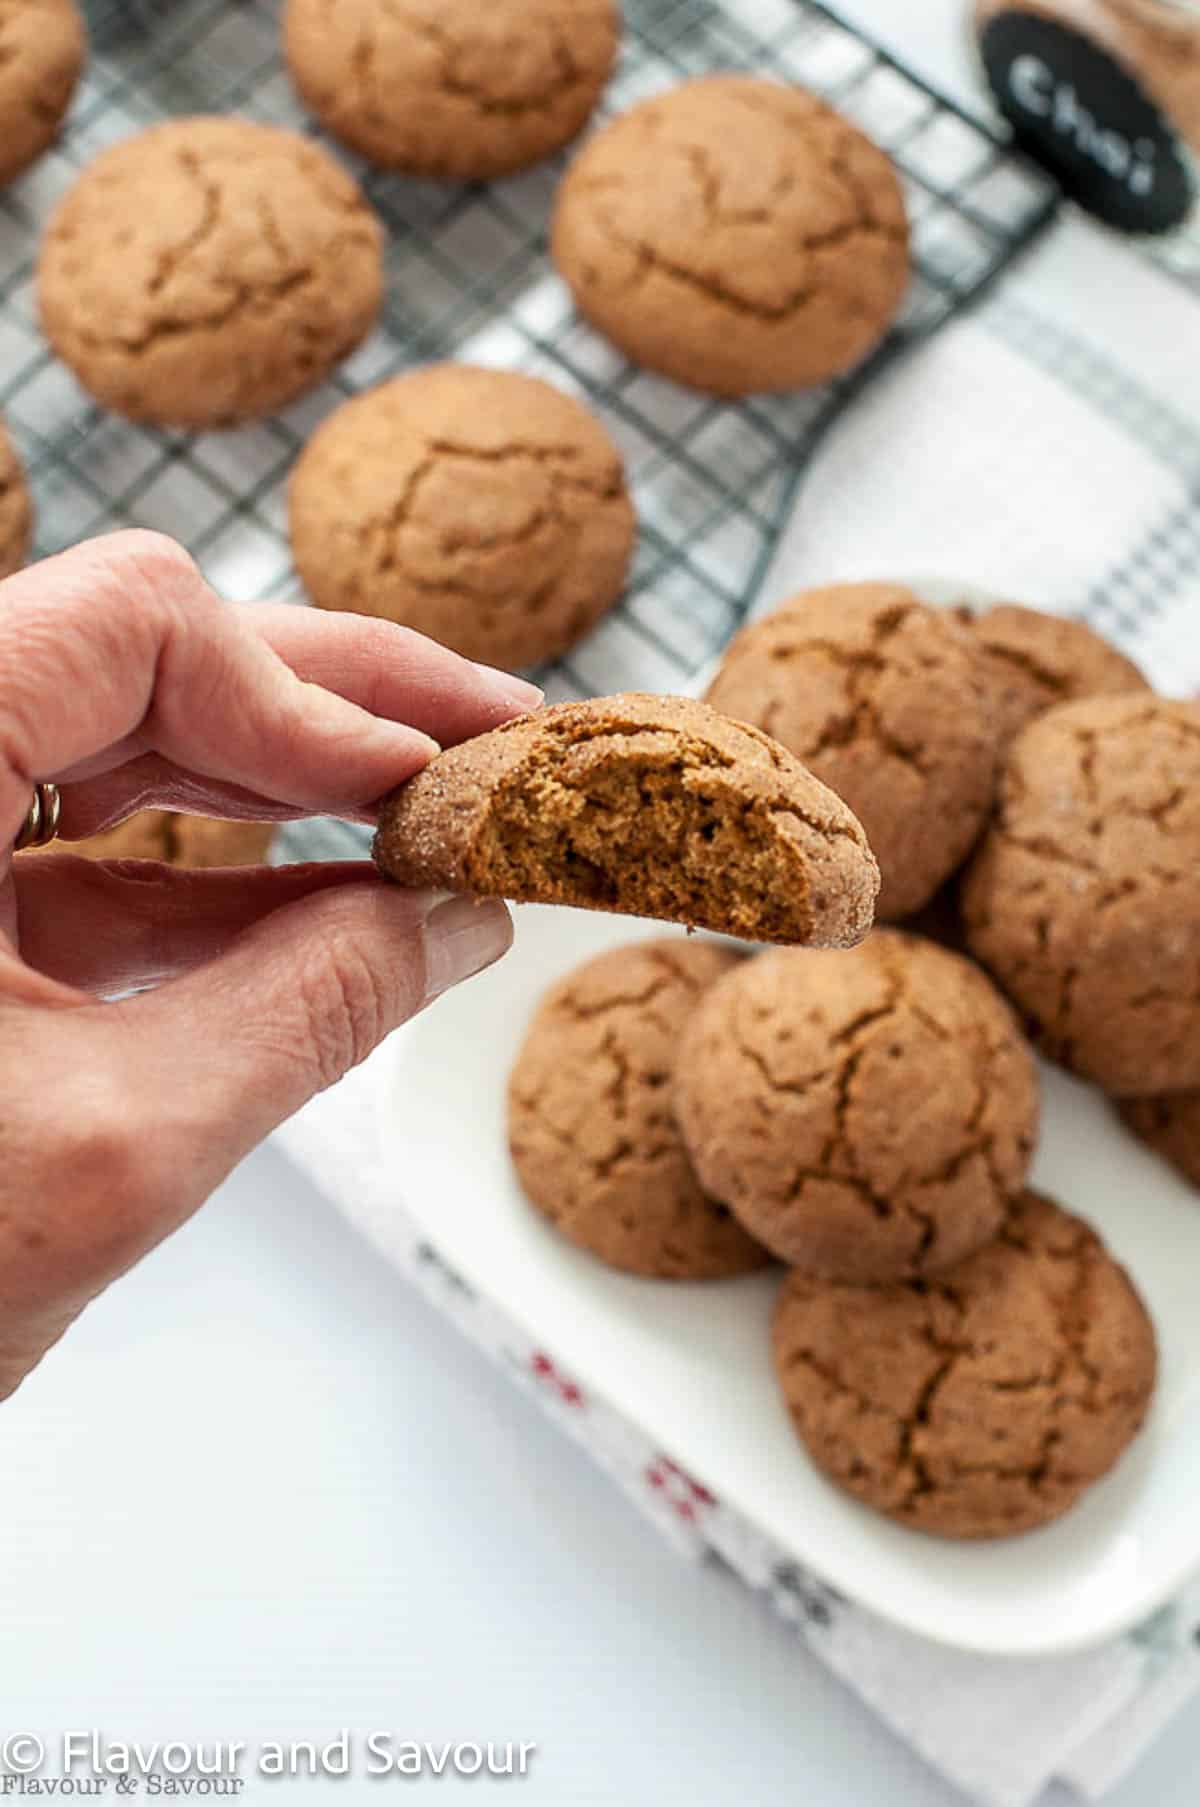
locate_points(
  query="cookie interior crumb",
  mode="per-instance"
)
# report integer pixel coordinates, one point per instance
(643, 844)
(648, 806)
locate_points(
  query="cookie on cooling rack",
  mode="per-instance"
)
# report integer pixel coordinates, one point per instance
(590, 1122)
(980, 1404)
(889, 702)
(868, 1114)
(485, 508)
(42, 47)
(208, 271)
(16, 510)
(736, 234)
(452, 89)
(643, 805)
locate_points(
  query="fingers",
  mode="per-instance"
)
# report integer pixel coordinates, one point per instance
(121, 642)
(152, 782)
(392, 671)
(388, 670)
(121, 1118)
(300, 998)
(147, 922)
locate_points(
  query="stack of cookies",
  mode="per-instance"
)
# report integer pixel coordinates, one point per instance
(954, 1349)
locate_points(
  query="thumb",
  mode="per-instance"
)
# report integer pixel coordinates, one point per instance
(123, 1117)
(293, 1004)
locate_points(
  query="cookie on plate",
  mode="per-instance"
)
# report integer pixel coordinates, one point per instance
(867, 1115)
(1170, 1125)
(985, 1402)
(1035, 660)
(482, 507)
(590, 1124)
(42, 47)
(644, 805)
(175, 839)
(449, 88)
(735, 234)
(888, 701)
(16, 510)
(1084, 899)
(208, 271)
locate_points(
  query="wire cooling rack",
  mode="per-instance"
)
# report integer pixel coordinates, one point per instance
(469, 277)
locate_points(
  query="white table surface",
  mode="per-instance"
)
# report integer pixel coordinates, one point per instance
(263, 1491)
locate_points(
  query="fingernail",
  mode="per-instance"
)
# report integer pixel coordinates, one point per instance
(462, 936)
(432, 747)
(516, 693)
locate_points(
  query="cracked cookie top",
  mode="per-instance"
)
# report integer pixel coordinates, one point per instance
(452, 89)
(866, 1115)
(590, 1123)
(888, 701)
(482, 507)
(643, 805)
(1170, 1125)
(736, 234)
(982, 1403)
(42, 47)
(16, 512)
(208, 271)
(1035, 660)
(1084, 898)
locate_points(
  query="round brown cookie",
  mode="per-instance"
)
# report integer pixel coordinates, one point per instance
(643, 805)
(42, 47)
(1084, 898)
(16, 510)
(1170, 1125)
(177, 840)
(208, 271)
(449, 88)
(887, 701)
(736, 234)
(984, 1402)
(1035, 660)
(867, 1116)
(590, 1125)
(484, 508)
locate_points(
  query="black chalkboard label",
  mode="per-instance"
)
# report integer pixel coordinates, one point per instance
(1089, 120)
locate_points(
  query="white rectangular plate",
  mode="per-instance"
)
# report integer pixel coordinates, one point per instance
(690, 1364)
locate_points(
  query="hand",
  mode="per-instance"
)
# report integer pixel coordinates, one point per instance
(127, 682)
